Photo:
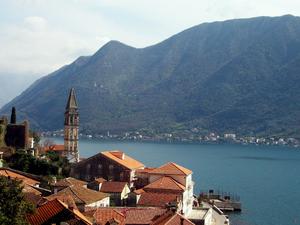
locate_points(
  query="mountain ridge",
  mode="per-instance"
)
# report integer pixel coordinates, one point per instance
(223, 76)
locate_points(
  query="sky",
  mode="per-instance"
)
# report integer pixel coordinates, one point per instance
(38, 37)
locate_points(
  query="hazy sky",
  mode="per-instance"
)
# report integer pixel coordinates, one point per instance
(39, 36)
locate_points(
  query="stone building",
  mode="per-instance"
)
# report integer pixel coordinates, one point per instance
(16, 135)
(110, 165)
(71, 127)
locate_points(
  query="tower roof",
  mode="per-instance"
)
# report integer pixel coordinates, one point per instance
(72, 102)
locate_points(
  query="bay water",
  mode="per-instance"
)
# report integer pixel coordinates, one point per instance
(267, 178)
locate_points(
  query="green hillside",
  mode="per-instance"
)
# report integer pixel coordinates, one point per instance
(239, 76)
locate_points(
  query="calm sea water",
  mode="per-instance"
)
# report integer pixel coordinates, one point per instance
(267, 179)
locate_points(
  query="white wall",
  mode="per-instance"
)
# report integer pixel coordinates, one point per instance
(102, 203)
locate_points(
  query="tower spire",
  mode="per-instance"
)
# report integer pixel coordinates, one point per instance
(71, 127)
(72, 102)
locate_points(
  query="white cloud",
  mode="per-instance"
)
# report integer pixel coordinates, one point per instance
(39, 36)
(32, 47)
(35, 23)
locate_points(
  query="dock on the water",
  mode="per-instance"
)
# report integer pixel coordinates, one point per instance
(223, 200)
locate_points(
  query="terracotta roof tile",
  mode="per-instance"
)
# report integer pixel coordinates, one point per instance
(55, 148)
(29, 189)
(133, 215)
(170, 218)
(67, 199)
(13, 174)
(157, 199)
(33, 198)
(81, 195)
(145, 170)
(112, 186)
(50, 210)
(142, 215)
(69, 181)
(103, 215)
(100, 180)
(165, 183)
(125, 161)
(171, 168)
(139, 191)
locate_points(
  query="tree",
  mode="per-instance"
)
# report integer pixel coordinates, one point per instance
(13, 207)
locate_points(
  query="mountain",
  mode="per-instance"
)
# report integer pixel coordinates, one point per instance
(239, 76)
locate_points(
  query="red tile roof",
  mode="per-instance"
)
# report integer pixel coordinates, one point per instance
(139, 191)
(103, 215)
(125, 161)
(67, 199)
(100, 180)
(133, 215)
(50, 210)
(171, 168)
(157, 199)
(165, 183)
(170, 218)
(145, 170)
(81, 195)
(113, 186)
(15, 175)
(55, 148)
(69, 181)
(30, 189)
(142, 215)
(33, 198)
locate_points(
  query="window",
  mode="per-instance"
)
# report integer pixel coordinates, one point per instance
(88, 168)
(121, 176)
(111, 168)
(100, 168)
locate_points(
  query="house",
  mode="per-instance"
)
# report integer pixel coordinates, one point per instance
(66, 182)
(59, 149)
(56, 212)
(111, 165)
(16, 134)
(27, 179)
(83, 197)
(117, 190)
(96, 184)
(173, 180)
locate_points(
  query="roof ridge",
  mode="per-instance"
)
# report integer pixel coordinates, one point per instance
(172, 217)
(76, 193)
(177, 166)
(176, 182)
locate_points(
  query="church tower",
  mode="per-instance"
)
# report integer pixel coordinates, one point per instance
(71, 128)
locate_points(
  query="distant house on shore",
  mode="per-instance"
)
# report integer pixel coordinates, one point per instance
(111, 165)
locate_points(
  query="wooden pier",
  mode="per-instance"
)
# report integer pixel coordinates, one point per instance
(222, 200)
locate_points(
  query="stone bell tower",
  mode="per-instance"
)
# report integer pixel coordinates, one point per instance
(71, 128)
